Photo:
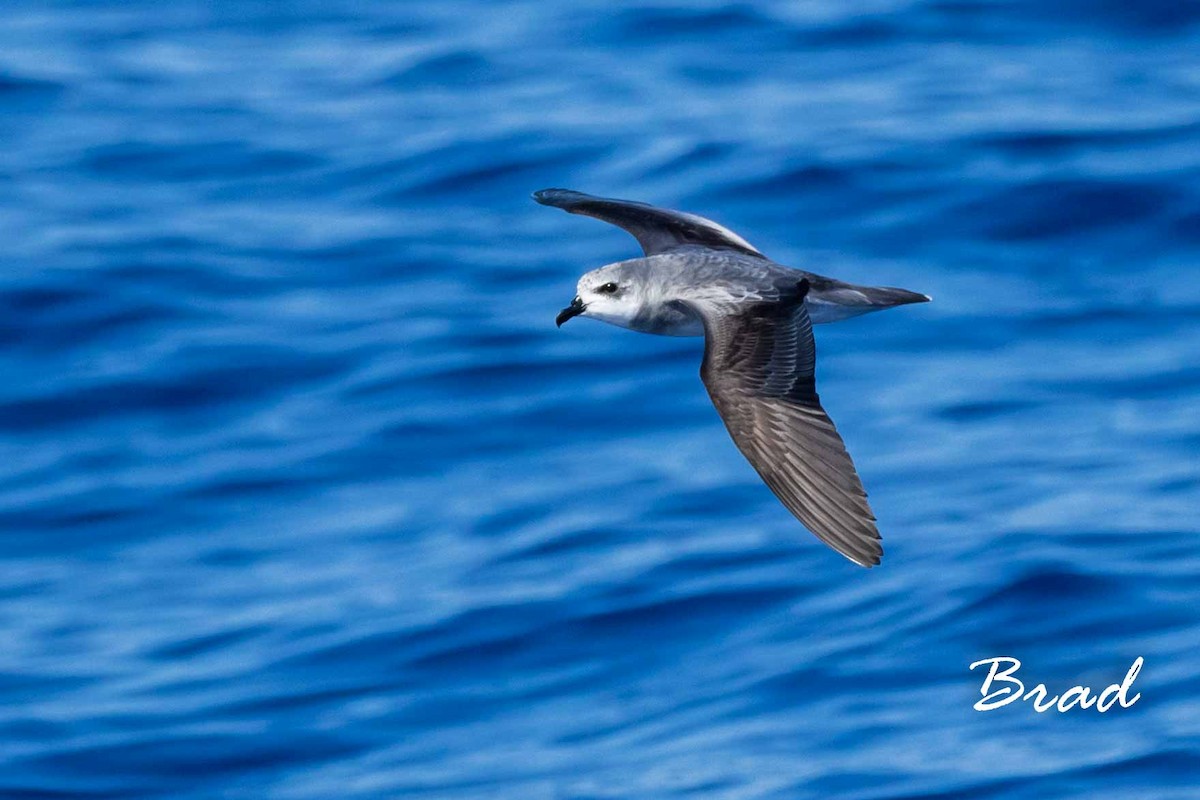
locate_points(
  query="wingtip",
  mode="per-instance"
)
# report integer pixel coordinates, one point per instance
(552, 196)
(871, 560)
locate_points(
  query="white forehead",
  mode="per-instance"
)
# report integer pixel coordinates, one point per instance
(606, 273)
(597, 277)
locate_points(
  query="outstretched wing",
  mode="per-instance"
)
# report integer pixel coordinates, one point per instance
(759, 363)
(656, 229)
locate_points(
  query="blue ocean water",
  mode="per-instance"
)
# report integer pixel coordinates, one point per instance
(303, 495)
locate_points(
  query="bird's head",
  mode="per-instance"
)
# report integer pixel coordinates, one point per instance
(611, 294)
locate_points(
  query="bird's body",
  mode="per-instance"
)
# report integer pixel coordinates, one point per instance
(699, 278)
(689, 268)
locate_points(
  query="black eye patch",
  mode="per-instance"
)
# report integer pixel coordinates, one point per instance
(606, 288)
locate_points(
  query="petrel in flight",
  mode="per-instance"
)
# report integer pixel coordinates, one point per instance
(699, 278)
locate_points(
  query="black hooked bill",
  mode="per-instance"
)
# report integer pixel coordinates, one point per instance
(574, 310)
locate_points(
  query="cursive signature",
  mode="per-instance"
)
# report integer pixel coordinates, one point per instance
(1011, 688)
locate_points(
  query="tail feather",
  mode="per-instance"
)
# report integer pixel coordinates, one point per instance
(836, 301)
(886, 296)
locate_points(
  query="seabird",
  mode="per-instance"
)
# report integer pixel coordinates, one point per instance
(699, 278)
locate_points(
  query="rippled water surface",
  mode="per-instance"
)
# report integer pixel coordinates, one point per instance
(303, 495)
